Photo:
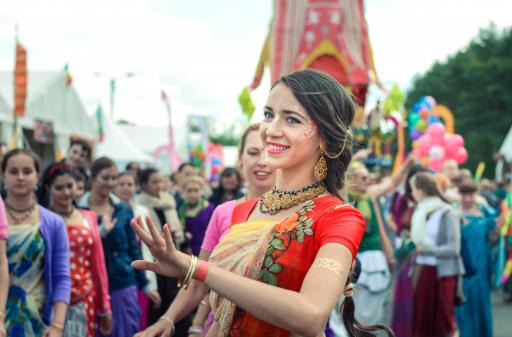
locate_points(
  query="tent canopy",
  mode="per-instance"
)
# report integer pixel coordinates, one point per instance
(118, 146)
(49, 98)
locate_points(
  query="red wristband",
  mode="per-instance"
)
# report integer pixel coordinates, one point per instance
(202, 271)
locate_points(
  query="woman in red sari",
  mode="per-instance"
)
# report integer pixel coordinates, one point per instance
(286, 259)
(89, 309)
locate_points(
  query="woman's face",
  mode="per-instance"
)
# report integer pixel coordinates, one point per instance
(63, 190)
(257, 173)
(468, 200)
(230, 183)
(79, 189)
(20, 175)
(192, 191)
(154, 184)
(105, 181)
(417, 194)
(289, 135)
(125, 187)
(360, 179)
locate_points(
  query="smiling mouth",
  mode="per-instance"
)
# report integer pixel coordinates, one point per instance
(261, 174)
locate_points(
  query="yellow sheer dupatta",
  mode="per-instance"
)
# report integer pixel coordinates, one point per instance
(236, 252)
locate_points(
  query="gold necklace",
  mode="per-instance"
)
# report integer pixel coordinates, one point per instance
(277, 200)
(25, 212)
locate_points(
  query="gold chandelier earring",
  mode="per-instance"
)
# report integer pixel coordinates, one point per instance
(320, 170)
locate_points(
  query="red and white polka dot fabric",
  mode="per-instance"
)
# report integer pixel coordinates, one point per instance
(81, 245)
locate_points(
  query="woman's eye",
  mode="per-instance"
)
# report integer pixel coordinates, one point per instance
(268, 115)
(292, 120)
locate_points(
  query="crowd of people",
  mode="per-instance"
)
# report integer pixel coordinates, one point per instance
(87, 250)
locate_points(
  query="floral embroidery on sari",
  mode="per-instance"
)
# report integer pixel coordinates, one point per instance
(296, 227)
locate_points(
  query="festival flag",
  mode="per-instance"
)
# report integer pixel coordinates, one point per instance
(69, 78)
(479, 171)
(99, 119)
(20, 81)
(246, 103)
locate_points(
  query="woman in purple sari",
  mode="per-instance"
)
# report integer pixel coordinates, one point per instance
(195, 212)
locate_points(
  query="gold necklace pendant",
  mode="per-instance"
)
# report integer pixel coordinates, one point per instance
(276, 200)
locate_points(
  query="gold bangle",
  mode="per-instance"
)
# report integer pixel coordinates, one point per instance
(57, 326)
(170, 321)
(192, 272)
(181, 282)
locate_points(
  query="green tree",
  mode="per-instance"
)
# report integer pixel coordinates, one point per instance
(476, 85)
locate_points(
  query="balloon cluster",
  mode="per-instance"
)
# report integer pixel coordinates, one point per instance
(420, 117)
(216, 159)
(436, 145)
(197, 155)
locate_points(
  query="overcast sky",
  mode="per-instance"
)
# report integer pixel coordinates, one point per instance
(203, 52)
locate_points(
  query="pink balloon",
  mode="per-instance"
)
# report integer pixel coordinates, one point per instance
(436, 153)
(431, 101)
(415, 154)
(458, 140)
(461, 156)
(436, 130)
(435, 165)
(423, 144)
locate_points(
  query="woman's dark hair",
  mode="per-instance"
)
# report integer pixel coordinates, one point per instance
(243, 140)
(51, 173)
(332, 109)
(80, 175)
(145, 175)
(183, 165)
(130, 164)
(217, 197)
(128, 173)
(427, 183)
(413, 170)
(229, 172)
(100, 164)
(14, 152)
(467, 187)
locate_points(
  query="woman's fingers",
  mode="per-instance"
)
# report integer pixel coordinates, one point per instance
(138, 227)
(146, 265)
(169, 244)
(155, 234)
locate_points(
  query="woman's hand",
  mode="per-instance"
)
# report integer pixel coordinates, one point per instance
(154, 297)
(170, 262)
(106, 324)
(52, 331)
(160, 328)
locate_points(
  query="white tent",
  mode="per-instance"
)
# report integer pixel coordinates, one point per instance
(506, 147)
(50, 99)
(118, 146)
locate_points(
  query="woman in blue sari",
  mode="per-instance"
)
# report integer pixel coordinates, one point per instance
(474, 317)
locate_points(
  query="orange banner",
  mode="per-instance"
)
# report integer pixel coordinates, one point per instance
(20, 81)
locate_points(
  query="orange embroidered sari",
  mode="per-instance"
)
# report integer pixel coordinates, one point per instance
(280, 255)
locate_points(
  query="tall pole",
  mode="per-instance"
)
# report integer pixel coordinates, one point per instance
(112, 91)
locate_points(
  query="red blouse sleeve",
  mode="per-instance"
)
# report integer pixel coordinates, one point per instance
(344, 224)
